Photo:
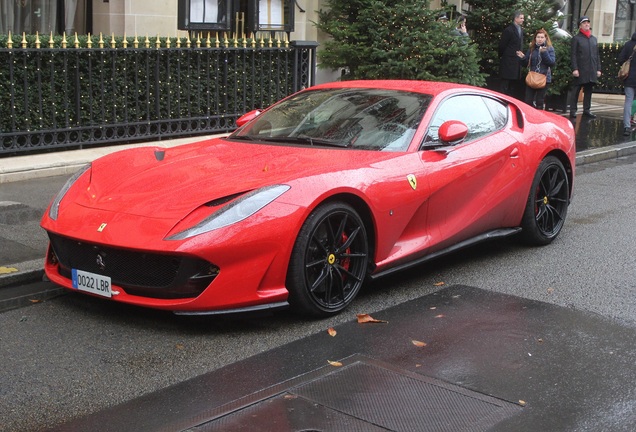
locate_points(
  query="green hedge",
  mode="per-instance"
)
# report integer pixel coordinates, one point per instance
(77, 87)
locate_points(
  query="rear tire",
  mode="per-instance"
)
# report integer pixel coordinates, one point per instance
(329, 261)
(547, 204)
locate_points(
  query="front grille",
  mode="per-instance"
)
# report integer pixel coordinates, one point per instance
(137, 272)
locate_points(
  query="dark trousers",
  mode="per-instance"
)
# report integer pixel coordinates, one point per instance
(587, 97)
(505, 86)
(535, 97)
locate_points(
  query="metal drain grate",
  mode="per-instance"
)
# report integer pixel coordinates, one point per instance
(287, 412)
(367, 396)
(405, 403)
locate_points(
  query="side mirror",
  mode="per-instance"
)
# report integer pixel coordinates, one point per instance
(452, 131)
(247, 117)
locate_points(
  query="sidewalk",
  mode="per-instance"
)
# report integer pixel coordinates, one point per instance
(33, 177)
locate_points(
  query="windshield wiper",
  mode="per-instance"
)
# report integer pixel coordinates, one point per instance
(304, 139)
(243, 137)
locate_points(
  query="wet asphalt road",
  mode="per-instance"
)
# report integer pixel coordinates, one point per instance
(75, 355)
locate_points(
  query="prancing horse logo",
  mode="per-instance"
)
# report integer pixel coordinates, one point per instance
(100, 262)
(101, 227)
(412, 181)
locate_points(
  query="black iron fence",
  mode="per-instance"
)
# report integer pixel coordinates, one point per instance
(609, 83)
(58, 95)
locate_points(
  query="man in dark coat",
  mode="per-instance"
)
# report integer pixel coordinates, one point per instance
(628, 53)
(586, 67)
(510, 52)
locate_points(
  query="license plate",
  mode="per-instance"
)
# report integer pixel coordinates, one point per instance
(91, 282)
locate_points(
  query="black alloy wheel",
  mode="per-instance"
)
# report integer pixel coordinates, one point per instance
(547, 204)
(329, 261)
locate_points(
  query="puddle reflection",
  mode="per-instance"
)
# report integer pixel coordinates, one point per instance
(598, 132)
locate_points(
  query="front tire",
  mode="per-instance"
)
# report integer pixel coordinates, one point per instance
(329, 261)
(547, 204)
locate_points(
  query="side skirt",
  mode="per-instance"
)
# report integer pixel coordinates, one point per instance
(269, 307)
(490, 235)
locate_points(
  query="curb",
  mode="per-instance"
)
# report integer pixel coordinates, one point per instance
(18, 297)
(13, 293)
(27, 271)
(605, 153)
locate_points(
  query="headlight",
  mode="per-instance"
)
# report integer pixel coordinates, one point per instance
(55, 205)
(235, 212)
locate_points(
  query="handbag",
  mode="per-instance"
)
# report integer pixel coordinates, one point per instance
(623, 72)
(536, 80)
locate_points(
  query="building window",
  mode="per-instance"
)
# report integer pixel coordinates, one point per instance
(43, 16)
(236, 15)
(271, 15)
(624, 24)
(204, 15)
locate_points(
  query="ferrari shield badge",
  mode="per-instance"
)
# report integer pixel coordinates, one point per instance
(412, 181)
(101, 227)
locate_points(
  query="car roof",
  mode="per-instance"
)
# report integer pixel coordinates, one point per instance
(427, 87)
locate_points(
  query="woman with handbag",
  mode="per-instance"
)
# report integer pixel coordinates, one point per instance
(540, 58)
(627, 54)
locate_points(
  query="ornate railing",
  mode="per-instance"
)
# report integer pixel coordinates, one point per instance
(58, 94)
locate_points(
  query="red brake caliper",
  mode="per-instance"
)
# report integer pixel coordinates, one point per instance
(345, 263)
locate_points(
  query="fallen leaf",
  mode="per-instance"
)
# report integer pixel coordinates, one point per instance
(439, 284)
(440, 316)
(332, 332)
(179, 346)
(418, 343)
(366, 318)
(35, 301)
(522, 402)
(334, 363)
(418, 365)
(291, 396)
(550, 290)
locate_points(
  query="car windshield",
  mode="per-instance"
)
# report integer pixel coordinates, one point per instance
(369, 119)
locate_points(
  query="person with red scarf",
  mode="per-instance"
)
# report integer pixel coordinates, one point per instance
(586, 67)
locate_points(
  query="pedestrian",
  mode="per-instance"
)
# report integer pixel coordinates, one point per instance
(539, 58)
(627, 53)
(442, 18)
(586, 67)
(460, 28)
(510, 51)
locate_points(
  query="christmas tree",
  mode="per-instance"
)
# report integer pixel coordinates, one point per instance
(402, 40)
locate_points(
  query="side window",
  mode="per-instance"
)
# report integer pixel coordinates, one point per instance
(499, 112)
(482, 116)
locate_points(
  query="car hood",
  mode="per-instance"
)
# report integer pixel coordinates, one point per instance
(169, 183)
